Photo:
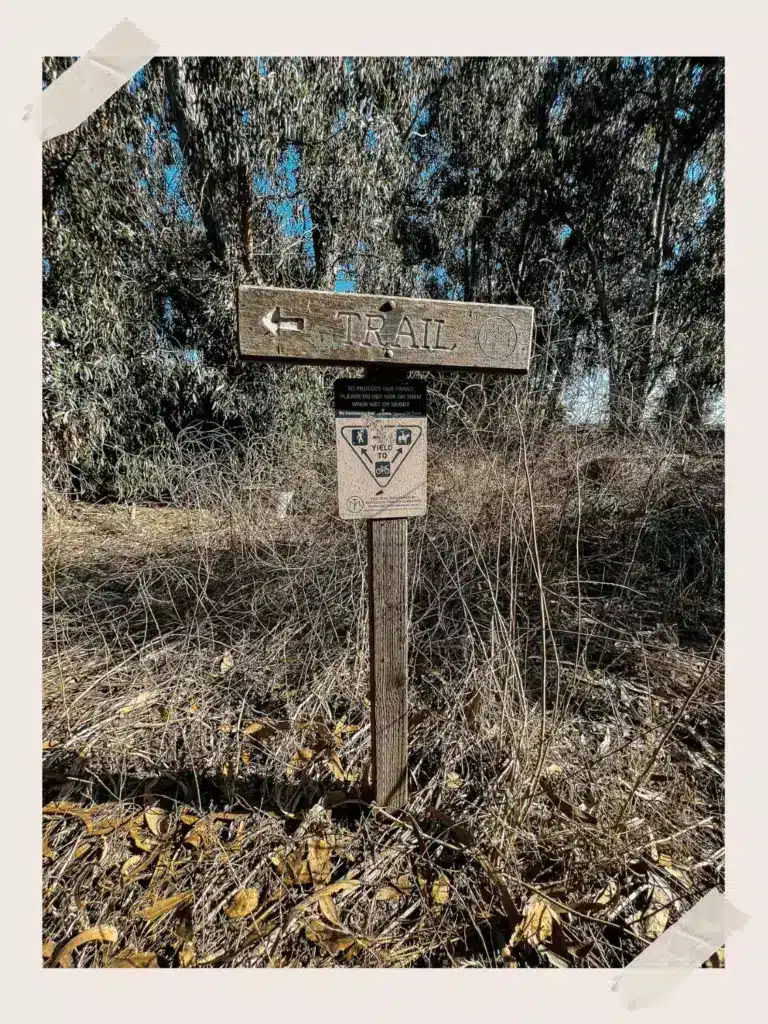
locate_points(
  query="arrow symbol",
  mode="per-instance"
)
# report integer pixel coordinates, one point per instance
(275, 323)
(365, 453)
(398, 453)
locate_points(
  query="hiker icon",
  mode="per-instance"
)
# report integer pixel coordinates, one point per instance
(382, 469)
(403, 435)
(360, 435)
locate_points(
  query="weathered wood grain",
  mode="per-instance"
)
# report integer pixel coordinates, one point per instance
(341, 327)
(388, 610)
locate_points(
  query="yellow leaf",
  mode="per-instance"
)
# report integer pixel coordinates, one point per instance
(48, 948)
(328, 909)
(227, 663)
(334, 764)
(65, 808)
(139, 701)
(254, 728)
(652, 922)
(242, 904)
(50, 744)
(100, 933)
(132, 868)
(246, 757)
(396, 891)
(206, 832)
(307, 866)
(132, 958)
(539, 920)
(441, 891)
(188, 954)
(143, 840)
(333, 939)
(609, 894)
(319, 860)
(453, 781)
(164, 906)
(158, 822)
(299, 760)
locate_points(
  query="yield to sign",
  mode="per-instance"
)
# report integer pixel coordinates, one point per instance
(382, 448)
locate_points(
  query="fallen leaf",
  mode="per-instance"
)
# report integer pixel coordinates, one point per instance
(101, 933)
(164, 906)
(610, 894)
(132, 958)
(397, 890)
(242, 904)
(158, 821)
(453, 781)
(132, 868)
(194, 707)
(143, 839)
(254, 728)
(333, 939)
(206, 832)
(245, 757)
(319, 860)
(48, 947)
(50, 744)
(227, 663)
(652, 921)
(139, 701)
(539, 921)
(334, 764)
(299, 760)
(328, 909)
(306, 866)
(187, 954)
(441, 891)
(65, 808)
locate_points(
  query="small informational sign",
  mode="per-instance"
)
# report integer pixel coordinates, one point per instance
(381, 448)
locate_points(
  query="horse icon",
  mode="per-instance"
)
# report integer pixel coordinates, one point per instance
(403, 436)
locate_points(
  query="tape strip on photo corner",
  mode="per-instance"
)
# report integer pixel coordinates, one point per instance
(679, 951)
(91, 80)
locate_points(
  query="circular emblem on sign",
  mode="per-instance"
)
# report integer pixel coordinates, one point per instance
(497, 337)
(355, 504)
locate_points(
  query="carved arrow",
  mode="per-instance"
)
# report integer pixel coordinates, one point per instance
(275, 323)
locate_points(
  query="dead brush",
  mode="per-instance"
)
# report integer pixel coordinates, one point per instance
(206, 743)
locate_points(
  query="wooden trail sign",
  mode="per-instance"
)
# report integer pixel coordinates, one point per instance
(389, 335)
(343, 327)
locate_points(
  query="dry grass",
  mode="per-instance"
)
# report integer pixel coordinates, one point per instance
(206, 715)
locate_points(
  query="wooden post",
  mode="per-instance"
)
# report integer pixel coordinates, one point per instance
(388, 643)
(388, 610)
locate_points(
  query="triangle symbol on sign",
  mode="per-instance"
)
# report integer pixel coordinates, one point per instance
(381, 469)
